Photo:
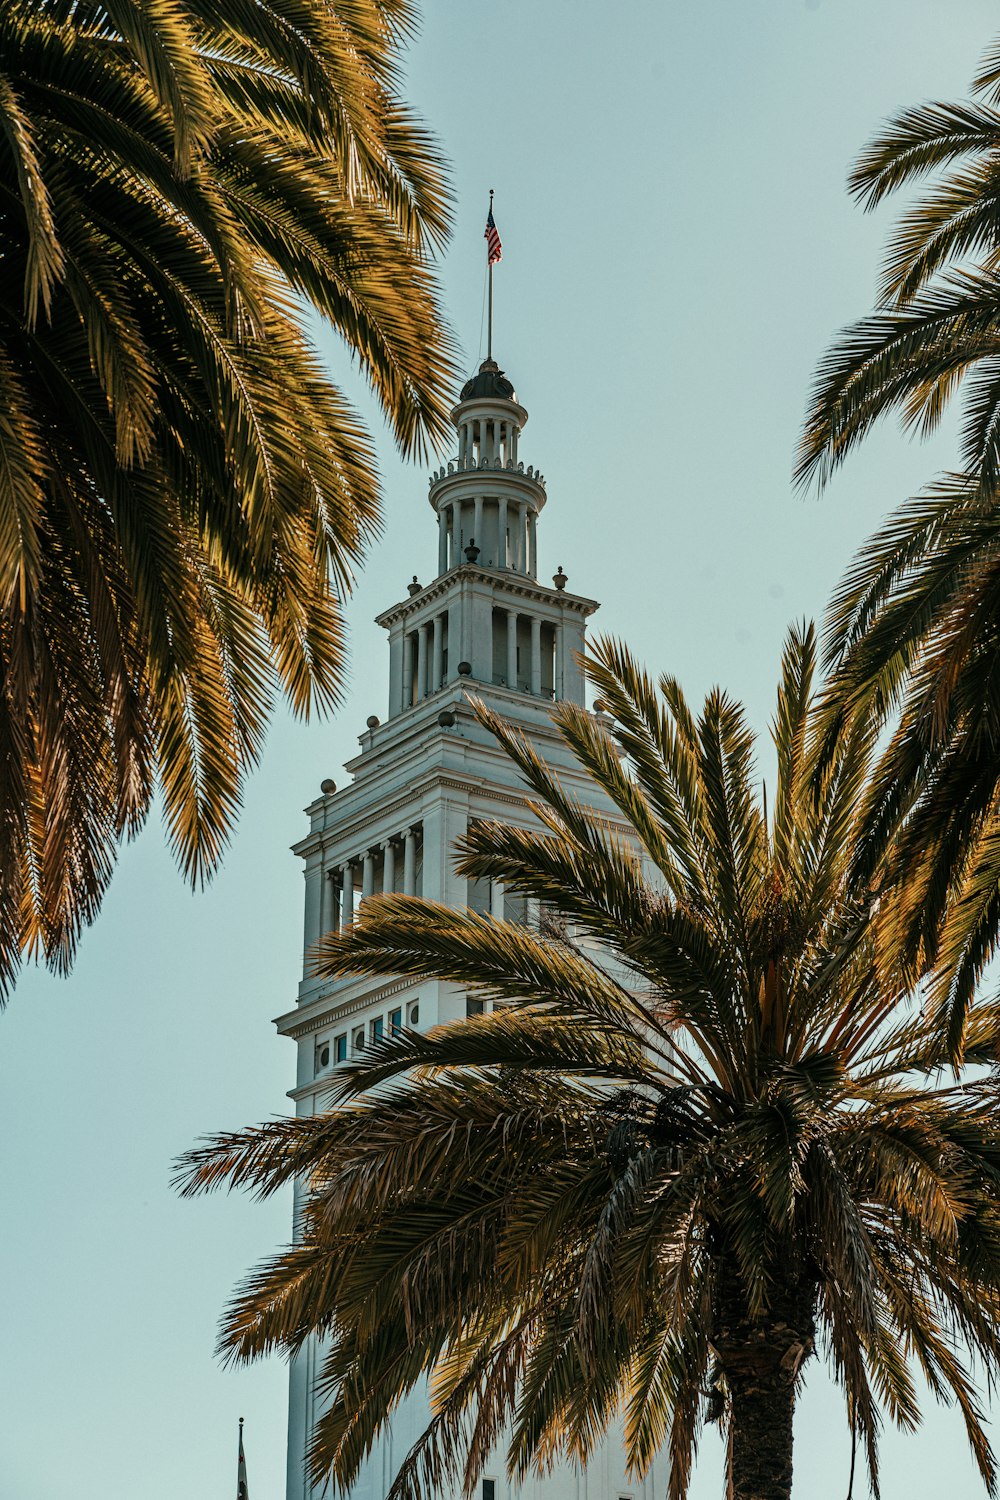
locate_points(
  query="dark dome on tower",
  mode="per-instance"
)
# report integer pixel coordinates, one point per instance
(489, 382)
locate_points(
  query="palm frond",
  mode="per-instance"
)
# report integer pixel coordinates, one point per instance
(186, 493)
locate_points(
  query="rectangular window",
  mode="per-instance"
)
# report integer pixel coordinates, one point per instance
(358, 1040)
(375, 1029)
(489, 1489)
(395, 1022)
(515, 907)
(474, 1007)
(500, 646)
(340, 1047)
(479, 894)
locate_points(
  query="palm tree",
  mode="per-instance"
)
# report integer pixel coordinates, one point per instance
(914, 625)
(184, 491)
(700, 1137)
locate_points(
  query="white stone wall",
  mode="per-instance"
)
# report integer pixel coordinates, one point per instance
(419, 779)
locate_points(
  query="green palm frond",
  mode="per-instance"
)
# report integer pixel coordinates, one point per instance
(917, 141)
(906, 359)
(958, 220)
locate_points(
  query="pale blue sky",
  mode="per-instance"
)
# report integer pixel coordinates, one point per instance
(678, 249)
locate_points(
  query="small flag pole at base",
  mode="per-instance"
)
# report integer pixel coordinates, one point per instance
(242, 1490)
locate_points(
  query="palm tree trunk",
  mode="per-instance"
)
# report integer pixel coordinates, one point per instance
(760, 1359)
(762, 1404)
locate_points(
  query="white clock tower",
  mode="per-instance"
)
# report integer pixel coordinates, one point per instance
(485, 623)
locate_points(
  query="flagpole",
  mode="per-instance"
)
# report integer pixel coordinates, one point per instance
(489, 318)
(242, 1487)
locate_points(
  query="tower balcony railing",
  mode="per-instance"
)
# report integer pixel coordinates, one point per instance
(458, 468)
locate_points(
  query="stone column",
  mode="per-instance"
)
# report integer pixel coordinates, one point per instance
(314, 891)
(533, 543)
(456, 645)
(436, 662)
(456, 534)
(511, 649)
(536, 655)
(410, 862)
(368, 875)
(346, 894)
(388, 866)
(422, 662)
(478, 537)
(442, 540)
(496, 899)
(502, 535)
(407, 669)
(328, 919)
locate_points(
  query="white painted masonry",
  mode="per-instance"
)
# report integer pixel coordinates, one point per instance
(484, 625)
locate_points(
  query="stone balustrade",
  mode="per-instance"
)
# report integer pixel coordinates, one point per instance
(472, 465)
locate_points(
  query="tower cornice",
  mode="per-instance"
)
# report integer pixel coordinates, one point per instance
(473, 405)
(458, 480)
(410, 763)
(503, 580)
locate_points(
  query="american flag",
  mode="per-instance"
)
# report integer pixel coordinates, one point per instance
(494, 249)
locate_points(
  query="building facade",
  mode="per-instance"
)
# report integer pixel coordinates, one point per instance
(488, 625)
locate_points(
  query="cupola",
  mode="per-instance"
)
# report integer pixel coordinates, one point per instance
(485, 620)
(485, 496)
